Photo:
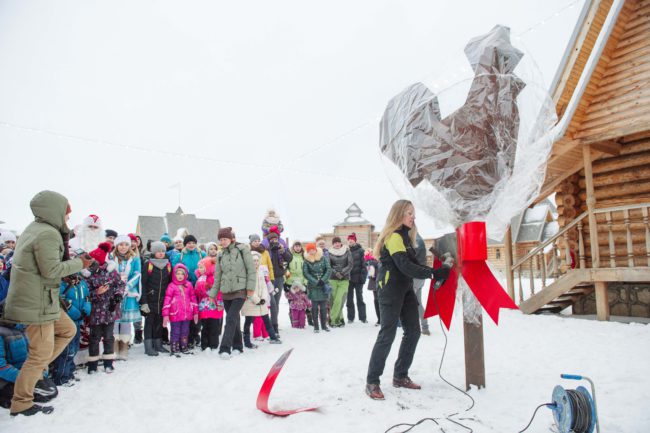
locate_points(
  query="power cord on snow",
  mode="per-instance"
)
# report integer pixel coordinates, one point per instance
(535, 413)
(448, 417)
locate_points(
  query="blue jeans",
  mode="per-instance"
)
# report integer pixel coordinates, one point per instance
(64, 363)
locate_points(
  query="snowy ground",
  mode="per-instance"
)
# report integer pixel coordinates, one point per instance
(524, 358)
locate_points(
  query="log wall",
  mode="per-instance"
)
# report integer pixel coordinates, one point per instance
(618, 180)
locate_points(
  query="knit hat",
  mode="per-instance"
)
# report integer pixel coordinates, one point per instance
(296, 243)
(7, 236)
(133, 238)
(165, 238)
(336, 239)
(158, 247)
(225, 232)
(254, 237)
(109, 232)
(273, 235)
(100, 252)
(310, 247)
(188, 239)
(352, 236)
(274, 229)
(123, 239)
(92, 220)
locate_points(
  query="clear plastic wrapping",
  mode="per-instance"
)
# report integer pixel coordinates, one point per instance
(486, 159)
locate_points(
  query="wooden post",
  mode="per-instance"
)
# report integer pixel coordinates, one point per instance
(474, 350)
(591, 205)
(510, 278)
(602, 302)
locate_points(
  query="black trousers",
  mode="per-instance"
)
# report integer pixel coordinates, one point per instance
(195, 329)
(319, 308)
(210, 332)
(404, 308)
(153, 326)
(232, 338)
(361, 306)
(267, 324)
(376, 302)
(97, 333)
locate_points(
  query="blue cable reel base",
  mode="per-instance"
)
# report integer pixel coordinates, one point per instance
(563, 411)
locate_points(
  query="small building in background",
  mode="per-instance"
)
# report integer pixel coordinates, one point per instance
(153, 227)
(529, 229)
(354, 223)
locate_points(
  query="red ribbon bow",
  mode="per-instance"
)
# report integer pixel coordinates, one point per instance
(472, 254)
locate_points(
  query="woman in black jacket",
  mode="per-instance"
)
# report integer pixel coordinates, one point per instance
(156, 276)
(397, 299)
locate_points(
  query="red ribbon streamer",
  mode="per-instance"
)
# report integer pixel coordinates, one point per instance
(267, 387)
(472, 254)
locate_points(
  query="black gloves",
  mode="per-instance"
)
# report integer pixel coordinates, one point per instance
(114, 302)
(262, 302)
(320, 284)
(442, 273)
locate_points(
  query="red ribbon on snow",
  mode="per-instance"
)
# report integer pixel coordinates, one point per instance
(267, 387)
(472, 254)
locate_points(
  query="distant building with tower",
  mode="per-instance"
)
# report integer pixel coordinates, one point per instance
(153, 227)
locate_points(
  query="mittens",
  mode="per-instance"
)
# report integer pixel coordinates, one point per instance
(165, 321)
(145, 308)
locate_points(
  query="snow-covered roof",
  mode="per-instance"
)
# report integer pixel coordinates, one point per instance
(152, 227)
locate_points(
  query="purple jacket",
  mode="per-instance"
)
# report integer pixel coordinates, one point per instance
(298, 301)
(180, 300)
(100, 312)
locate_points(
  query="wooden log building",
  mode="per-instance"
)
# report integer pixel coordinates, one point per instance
(599, 170)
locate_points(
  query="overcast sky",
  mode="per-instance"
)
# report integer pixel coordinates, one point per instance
(239, 102)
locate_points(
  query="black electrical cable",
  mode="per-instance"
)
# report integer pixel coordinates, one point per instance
(442, 359)
(535, 413)
(581, 410)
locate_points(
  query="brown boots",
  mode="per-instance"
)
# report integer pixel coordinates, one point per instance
(405, 382)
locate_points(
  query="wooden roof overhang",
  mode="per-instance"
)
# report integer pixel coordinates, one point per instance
(615, 107)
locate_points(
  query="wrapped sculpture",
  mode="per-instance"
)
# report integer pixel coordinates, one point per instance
(468, 157)
(485, 161)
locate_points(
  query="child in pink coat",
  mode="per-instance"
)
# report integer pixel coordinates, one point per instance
(298, 303)
(180, 308)
(210, 309)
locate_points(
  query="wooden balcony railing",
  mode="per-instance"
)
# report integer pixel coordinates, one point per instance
(625, 235)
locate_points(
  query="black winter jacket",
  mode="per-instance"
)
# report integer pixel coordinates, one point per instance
(154, 285)
(359, 271)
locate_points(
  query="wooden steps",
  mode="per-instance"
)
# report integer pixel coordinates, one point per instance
(577, 283)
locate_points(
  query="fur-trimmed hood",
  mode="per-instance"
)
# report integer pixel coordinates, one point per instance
(316, 257)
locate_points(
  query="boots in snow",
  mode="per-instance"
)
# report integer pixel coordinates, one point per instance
(108, 366)
(158, 345)
(247, 342)
(148, 348)
(138, 336)
(175, 350)
(123, 350)
(92, 367)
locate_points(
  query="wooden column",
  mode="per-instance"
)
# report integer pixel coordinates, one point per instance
(510, 278)
(591, 205)
(602, 302)
(474, 350)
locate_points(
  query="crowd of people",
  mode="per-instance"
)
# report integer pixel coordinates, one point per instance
(191, 295)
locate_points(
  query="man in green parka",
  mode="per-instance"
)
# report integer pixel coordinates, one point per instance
(33, 297)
